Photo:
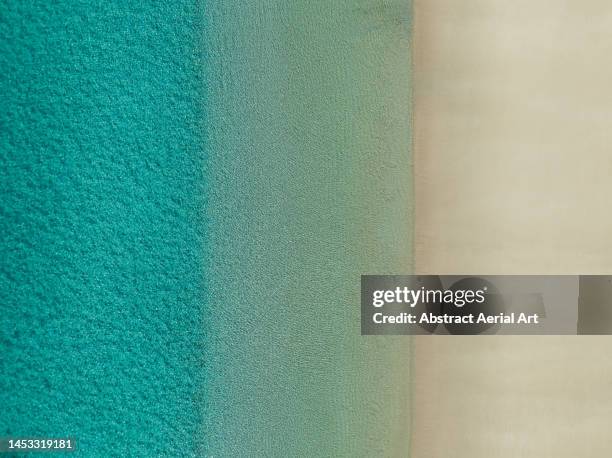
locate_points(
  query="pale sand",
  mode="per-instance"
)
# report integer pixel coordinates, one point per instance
(512, 149)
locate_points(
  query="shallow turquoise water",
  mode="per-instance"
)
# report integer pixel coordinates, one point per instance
(309, 134)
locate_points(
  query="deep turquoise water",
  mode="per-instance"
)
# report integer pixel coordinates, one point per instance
(102, 189)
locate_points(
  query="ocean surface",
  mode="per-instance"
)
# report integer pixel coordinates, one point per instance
(102, 224)
(190, 193)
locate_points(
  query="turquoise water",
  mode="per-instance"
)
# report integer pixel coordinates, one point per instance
(102, 203)
(191, 192)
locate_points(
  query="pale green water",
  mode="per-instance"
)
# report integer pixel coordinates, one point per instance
(311, 167)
